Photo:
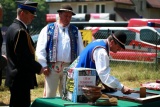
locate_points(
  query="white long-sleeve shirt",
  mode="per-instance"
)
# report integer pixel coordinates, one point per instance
(63, 45)
(101, 59)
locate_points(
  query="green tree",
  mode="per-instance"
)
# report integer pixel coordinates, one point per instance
(9, 11)
(40, 20)
(9, 14)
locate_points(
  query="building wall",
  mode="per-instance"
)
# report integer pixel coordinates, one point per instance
(154, 13)
(141, 9)
(91, 7)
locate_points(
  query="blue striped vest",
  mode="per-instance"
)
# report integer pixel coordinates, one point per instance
(86, 56)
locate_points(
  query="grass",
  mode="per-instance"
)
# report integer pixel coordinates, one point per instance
(130, 74)
(35, 93)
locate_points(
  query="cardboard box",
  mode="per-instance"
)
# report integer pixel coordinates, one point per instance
(73, 81)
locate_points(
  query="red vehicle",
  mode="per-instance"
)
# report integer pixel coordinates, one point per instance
(142, 42)
(137, 22)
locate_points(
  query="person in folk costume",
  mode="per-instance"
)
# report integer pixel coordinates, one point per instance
(58, 45)
(96, 56)
(22, 66)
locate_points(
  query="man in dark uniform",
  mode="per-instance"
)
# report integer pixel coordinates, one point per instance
(22, 67)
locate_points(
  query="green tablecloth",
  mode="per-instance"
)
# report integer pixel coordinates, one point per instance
(58, 102)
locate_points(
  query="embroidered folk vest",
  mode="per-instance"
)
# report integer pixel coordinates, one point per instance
(52, 36)
(86, 57)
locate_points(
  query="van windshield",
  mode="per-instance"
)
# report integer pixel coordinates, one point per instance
(158, 30)
(103, 34)
(150, 36)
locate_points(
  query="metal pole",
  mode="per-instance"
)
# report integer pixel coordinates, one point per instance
(156, 52)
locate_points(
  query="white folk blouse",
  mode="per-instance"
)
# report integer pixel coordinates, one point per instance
(63, 45)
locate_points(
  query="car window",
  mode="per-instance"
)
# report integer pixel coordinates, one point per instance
(103, 34)
(149, 36)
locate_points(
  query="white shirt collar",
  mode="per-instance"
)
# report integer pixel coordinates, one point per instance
(61, 27)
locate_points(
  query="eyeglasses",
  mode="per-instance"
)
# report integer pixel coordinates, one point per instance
(31, 13)
(28, 12)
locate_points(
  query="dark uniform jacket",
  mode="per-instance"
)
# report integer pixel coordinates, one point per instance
(1, 40)
(22, 67)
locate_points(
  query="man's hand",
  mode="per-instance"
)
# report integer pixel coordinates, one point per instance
(46, 71)
(126, 90)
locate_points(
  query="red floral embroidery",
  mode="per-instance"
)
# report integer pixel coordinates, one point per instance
(53, 66)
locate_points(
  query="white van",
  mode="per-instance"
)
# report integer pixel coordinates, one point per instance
(143, 43)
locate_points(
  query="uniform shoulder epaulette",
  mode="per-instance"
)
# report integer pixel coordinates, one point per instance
(22, 30)
(32, 50)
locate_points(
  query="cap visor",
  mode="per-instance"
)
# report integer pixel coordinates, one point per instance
(65, 11)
